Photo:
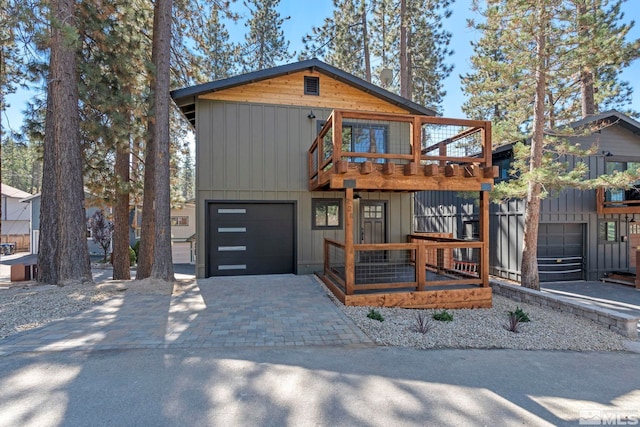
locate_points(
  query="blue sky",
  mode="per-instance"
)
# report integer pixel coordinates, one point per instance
(307, 13)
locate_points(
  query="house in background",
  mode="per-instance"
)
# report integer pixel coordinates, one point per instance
(304, 168)
(183, 232)
(15, 218)
(583, 235)
(92, 204)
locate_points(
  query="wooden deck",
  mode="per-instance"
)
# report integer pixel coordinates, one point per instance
(427, 153)
(357, 151)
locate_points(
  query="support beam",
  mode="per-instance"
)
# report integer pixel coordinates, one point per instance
(349, 253)
(484, 238)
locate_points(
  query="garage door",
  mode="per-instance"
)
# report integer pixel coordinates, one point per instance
(250, 238)
(181, 252)
(560, 252)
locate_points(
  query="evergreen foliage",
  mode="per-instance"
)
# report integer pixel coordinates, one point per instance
(265, 44)
(528, 76)
(407, 37)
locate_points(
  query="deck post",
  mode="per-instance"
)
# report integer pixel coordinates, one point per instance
(484, 238)
(416, 139)
(421, 262)
(349, 253)
(336, 136)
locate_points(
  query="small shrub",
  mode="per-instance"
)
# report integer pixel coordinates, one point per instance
(443, 316)
(132, 256)
(422, 324)
(136, 249)
(520, 314)
(375, 315)
(514, 323)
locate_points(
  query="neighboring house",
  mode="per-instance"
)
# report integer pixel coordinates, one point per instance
(15, 218)
(583, 235)
(92, 204)
(183, 231)
(305, 168)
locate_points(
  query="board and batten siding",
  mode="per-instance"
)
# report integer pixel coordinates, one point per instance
(258, 152)
(449, 210)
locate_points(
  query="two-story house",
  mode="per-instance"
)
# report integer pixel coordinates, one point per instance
(305, 168)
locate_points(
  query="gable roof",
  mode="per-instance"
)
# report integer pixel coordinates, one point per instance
(10, 191)
(185, 98)
(611, 117)
(606, 119)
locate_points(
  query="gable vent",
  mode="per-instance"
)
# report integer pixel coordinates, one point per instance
(311, 85)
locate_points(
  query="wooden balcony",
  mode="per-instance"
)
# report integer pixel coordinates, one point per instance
(390, 152)
(625, 206)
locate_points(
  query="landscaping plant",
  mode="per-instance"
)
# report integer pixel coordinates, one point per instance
(443, 316)
(375, 315)
(422, 323)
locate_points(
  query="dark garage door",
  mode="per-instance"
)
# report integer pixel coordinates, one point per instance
(250, 238)
(560, 252)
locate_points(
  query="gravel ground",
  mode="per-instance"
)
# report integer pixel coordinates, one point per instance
(486, 328)
(29, 306)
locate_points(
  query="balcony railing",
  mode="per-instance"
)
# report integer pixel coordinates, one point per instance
(422, 263)
(393, 143)
(628, 203)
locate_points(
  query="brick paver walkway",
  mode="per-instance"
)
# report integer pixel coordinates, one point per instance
(275, 310)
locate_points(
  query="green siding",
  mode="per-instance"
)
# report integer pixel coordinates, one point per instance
(259, 152)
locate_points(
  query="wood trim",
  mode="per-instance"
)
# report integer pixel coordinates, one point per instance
(349, 253)
(483, 265)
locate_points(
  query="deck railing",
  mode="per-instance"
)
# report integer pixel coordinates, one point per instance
(421, 263)
(626, 206)
(419, 141)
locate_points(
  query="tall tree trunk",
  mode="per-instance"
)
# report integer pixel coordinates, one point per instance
(64, 255)
(161, 266)
(147, 228)
(365, 41)
(404, 63)
(121, 262)
(529, 269)
(586, 74)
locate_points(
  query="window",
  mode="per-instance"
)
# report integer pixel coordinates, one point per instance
(311, 85)
(607, 231)
(180, 221)
(504, 169)
(361, 138)
(619, 195)
(327, 214)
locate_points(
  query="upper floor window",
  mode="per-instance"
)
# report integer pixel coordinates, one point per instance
(619, 195)
(364, 138)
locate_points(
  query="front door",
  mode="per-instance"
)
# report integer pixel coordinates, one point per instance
(373, 217)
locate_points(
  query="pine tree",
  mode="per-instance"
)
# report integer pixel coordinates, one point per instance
(405, 36)
(63, 253)
(428, 48)
(525, 72)
(217, 55)
(265, 45)
(340, 40)
(156, 215)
